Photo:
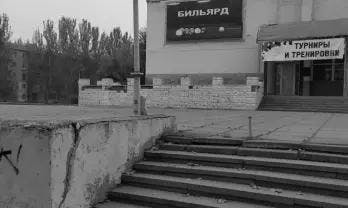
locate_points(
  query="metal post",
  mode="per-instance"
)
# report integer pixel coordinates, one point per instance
(250, 127)
(136, 73)
(345, 89)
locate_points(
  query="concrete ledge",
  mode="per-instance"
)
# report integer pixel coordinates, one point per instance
(72, 163)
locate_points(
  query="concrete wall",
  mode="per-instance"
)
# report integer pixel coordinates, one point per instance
(227, 56)
(185, 95)
(330, 9)
(72, 164)
(30, 154)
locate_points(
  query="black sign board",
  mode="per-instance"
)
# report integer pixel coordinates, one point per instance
(206, 19)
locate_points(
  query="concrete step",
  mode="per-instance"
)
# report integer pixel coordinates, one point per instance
(329, 170)
(111, 204)
(232, 144)
(235, 191)
(231, 150)
(306, 104)
(258, 152)
(311, 107)
(310, 184)
(202, 140)
(301, 109)
(336, 150)
(166, 199)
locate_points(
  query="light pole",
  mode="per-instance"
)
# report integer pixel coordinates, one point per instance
(136, 73)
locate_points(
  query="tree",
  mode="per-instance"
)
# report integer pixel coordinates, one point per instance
(50, 51)
(67, 66)
(5, 31)
(38, 40)
(58, 59)
(6, 81)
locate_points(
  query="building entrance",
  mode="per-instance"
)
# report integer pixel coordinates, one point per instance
(305, 78)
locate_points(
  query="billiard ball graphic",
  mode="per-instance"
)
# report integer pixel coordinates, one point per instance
(179, 32)
(221, 29)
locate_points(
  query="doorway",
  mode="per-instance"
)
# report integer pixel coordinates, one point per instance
(305, 78)
(283, 79)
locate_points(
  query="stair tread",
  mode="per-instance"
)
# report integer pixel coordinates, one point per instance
(206, 140)
(234, 148)
(182, 198)
(112, 204)
(299, 144)
(342, 168)
(244, 191)
(285, 178)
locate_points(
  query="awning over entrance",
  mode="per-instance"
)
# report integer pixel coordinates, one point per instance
(303, 30)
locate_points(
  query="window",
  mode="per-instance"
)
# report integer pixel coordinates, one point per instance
(24, 86)
(328, 70)
(24, 77)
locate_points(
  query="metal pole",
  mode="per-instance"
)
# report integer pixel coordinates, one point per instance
(136, 59)
(250, 127)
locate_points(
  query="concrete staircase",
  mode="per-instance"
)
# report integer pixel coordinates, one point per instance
(227, 173)
(304, 104)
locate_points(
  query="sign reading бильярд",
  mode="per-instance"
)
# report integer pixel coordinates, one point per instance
(214, 19)
(318, 49)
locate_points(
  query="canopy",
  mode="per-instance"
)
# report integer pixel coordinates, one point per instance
(303, 30)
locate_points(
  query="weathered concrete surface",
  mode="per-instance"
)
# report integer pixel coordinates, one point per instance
(70, 160)
(30, 154)
(324, 128)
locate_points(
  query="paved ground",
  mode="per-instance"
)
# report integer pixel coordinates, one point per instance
(286, 126)
(289, 126)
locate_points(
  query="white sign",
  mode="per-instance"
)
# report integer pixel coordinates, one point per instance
(318, 49)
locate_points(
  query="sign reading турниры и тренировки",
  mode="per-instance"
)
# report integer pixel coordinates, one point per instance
(318, 49)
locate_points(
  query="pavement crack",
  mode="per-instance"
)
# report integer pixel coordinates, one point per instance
(276, 129)
(271, 131)
(308, 139)
(70, 162)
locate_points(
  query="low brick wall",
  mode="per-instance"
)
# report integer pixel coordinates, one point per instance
(216, 96)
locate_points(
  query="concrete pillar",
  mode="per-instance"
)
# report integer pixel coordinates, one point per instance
(289, 11)
(130, 84)
(307, 10)
(157, 82)
(217, 81)
(106, 82)
(345, 83)
(185, 82)
(253, 81)
(83, 82)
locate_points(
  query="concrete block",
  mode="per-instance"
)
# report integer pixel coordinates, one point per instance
(72, 164)
(185, 82)
(157, 82)
(217, 81)
(252, 81)
(130, 84)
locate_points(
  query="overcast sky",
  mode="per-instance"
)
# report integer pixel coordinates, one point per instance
(27, 15)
